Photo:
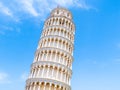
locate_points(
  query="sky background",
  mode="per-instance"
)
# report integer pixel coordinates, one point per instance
(96, 63)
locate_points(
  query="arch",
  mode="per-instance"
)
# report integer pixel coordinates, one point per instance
(47, 86)
(60, 21)
(42, 85)
(57, 87)
(57, 11)
(63, 22)
(52, 86)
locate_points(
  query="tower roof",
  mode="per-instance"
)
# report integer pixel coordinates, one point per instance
(63, 10)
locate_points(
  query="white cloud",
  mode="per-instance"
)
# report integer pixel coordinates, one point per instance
(27, 5)
(24, 76)
(39, 8)
(81, 4)
(7, 28)
(118, 45)
(94, 62)
(5, 10)
(73, 3)
(4, 78)
(117, 61)
(65, 3)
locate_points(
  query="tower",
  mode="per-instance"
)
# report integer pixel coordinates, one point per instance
(52, 65)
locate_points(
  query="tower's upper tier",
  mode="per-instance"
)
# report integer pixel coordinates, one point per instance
(59, 11)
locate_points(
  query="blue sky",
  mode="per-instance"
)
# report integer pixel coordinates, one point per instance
(96, 63)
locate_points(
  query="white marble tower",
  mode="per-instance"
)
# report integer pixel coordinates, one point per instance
(52, 65)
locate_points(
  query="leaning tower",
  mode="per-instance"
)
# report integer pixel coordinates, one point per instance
(52, 65)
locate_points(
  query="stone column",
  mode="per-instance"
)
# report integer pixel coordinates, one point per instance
(55, 88)
(57, 74)
(31, 73)
(30, 87)
(50, 87)
(38, 75)
(43, 71)
(55, 57)
(52, 72)
(48, 72)
(42, 56)
(51, 56)
(44, 86)
(61, 75)
(33, 87)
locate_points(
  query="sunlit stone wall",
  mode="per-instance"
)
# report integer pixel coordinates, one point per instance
(52, 65)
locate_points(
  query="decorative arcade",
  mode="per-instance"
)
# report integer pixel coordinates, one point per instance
(52, 65)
